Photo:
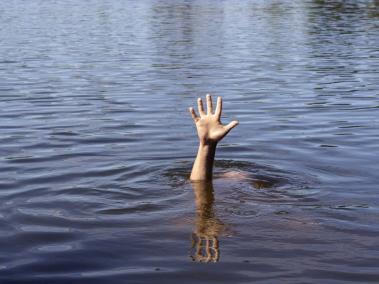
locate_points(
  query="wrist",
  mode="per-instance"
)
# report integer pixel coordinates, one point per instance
(207, 144)
(207, 150)
(203, 166)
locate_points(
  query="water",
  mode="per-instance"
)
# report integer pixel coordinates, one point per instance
(97, 143)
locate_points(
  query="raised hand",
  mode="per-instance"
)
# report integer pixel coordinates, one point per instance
(210, 131)
(209, 127)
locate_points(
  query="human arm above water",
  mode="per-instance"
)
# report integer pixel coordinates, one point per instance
(210, 131)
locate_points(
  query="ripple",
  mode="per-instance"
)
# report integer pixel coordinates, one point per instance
(259, 176)
(55, 248)
(138, 208)
(97, 145)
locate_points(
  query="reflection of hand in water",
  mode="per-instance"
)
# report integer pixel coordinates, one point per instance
(205, 243)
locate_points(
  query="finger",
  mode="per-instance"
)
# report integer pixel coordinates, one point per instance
(193, 114)
(193, 240)
(215, 242)
(218, 108)
(209, 104)
(200, 106)
(216, 249)
(208, 252)
(198, 247)
(231, 125)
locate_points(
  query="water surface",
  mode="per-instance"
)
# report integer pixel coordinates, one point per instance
(97, 144)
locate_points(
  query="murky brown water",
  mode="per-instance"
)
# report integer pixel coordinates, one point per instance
(97, 144)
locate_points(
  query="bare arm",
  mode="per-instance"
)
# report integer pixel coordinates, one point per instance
(210, 131)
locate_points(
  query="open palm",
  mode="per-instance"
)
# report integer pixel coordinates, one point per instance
(209, 127)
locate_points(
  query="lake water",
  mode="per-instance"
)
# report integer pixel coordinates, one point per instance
(97, 143)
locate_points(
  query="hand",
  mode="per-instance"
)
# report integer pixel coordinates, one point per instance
(210, 130)
(209, 127)
(205, 249)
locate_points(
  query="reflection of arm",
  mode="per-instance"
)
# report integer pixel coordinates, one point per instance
(205, 242)
(204, 198)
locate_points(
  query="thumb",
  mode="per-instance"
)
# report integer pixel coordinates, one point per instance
(231, 125)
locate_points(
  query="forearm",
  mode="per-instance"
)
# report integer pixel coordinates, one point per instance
(210, 131)
(203, 166)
